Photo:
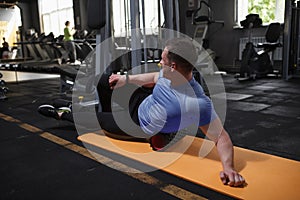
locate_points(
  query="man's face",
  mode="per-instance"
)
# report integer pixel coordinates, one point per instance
(166, 65)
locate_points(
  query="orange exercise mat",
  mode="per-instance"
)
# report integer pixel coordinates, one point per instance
(267, 176)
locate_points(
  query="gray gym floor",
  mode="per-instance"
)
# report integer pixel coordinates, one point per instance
(41, 158)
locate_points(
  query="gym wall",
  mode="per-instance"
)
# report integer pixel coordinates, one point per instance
(30, 16)
(225, 42)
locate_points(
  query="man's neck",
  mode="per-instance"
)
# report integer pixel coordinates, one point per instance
(183, 79)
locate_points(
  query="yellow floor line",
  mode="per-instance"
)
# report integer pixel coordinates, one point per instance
(9, 118)
(30, 128)
(136, 174)
(55, 139)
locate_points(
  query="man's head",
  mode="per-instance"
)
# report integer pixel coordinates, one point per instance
(182, 52)
(179, 54)
(67, 23)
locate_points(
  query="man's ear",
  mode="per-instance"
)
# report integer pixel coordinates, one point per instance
(173, 66)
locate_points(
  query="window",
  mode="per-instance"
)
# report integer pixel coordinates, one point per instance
(54, 14)
(121, 16)
(268, 10)
(10, 20)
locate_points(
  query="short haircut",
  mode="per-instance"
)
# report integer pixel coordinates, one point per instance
(183, 52)
(67, 23)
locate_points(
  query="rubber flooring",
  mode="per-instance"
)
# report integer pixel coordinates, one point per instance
(41, 158)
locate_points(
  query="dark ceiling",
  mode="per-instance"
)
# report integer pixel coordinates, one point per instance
(7, 1)
(11, 3)
(14, 1)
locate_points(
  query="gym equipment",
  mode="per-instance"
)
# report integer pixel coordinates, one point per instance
(291, 41)
(3, 91)
(202, 23)
(83, 48)
(96, 14)
(206, 55)
(258, 64)
(68, 73)
(42, 51)
(47, 52)
(2, 82)
(266, 175)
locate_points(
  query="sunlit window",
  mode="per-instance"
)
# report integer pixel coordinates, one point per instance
(121, 16)
(54, 14)
(268, 10)
(10, 20)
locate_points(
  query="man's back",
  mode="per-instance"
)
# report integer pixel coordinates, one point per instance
(172, 108)
(67, 34)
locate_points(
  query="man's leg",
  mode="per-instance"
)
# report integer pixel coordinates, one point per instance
(74, 54)
(72, 51)
(69, 46)
(120, 130)
(127, 96)
(106, 118)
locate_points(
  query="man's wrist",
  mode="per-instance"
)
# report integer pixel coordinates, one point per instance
(127, 78)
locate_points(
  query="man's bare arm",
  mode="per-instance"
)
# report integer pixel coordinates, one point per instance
(218, 134)
(147, 79)
(143, 79)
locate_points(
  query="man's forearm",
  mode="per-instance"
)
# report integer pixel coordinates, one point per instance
(143, 79)
(218, 134)
(225, 150)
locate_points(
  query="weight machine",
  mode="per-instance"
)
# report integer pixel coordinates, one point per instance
(3, 88)
(291, 41)
(258, 64)
(206, 56)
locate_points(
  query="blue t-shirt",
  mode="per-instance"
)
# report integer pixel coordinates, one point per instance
(170, 109)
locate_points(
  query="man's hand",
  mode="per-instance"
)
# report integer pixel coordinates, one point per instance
(232, 178)
(116, 81)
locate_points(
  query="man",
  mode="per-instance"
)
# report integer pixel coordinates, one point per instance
(5, 49)
(69, 44)
(165, 103)
(5, 45)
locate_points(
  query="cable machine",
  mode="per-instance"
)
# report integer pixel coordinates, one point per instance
(139, 40)
(291, 49)
(136, 35)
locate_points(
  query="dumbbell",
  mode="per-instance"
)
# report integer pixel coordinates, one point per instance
(2, 82)
(4, 89)
(2, 95)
